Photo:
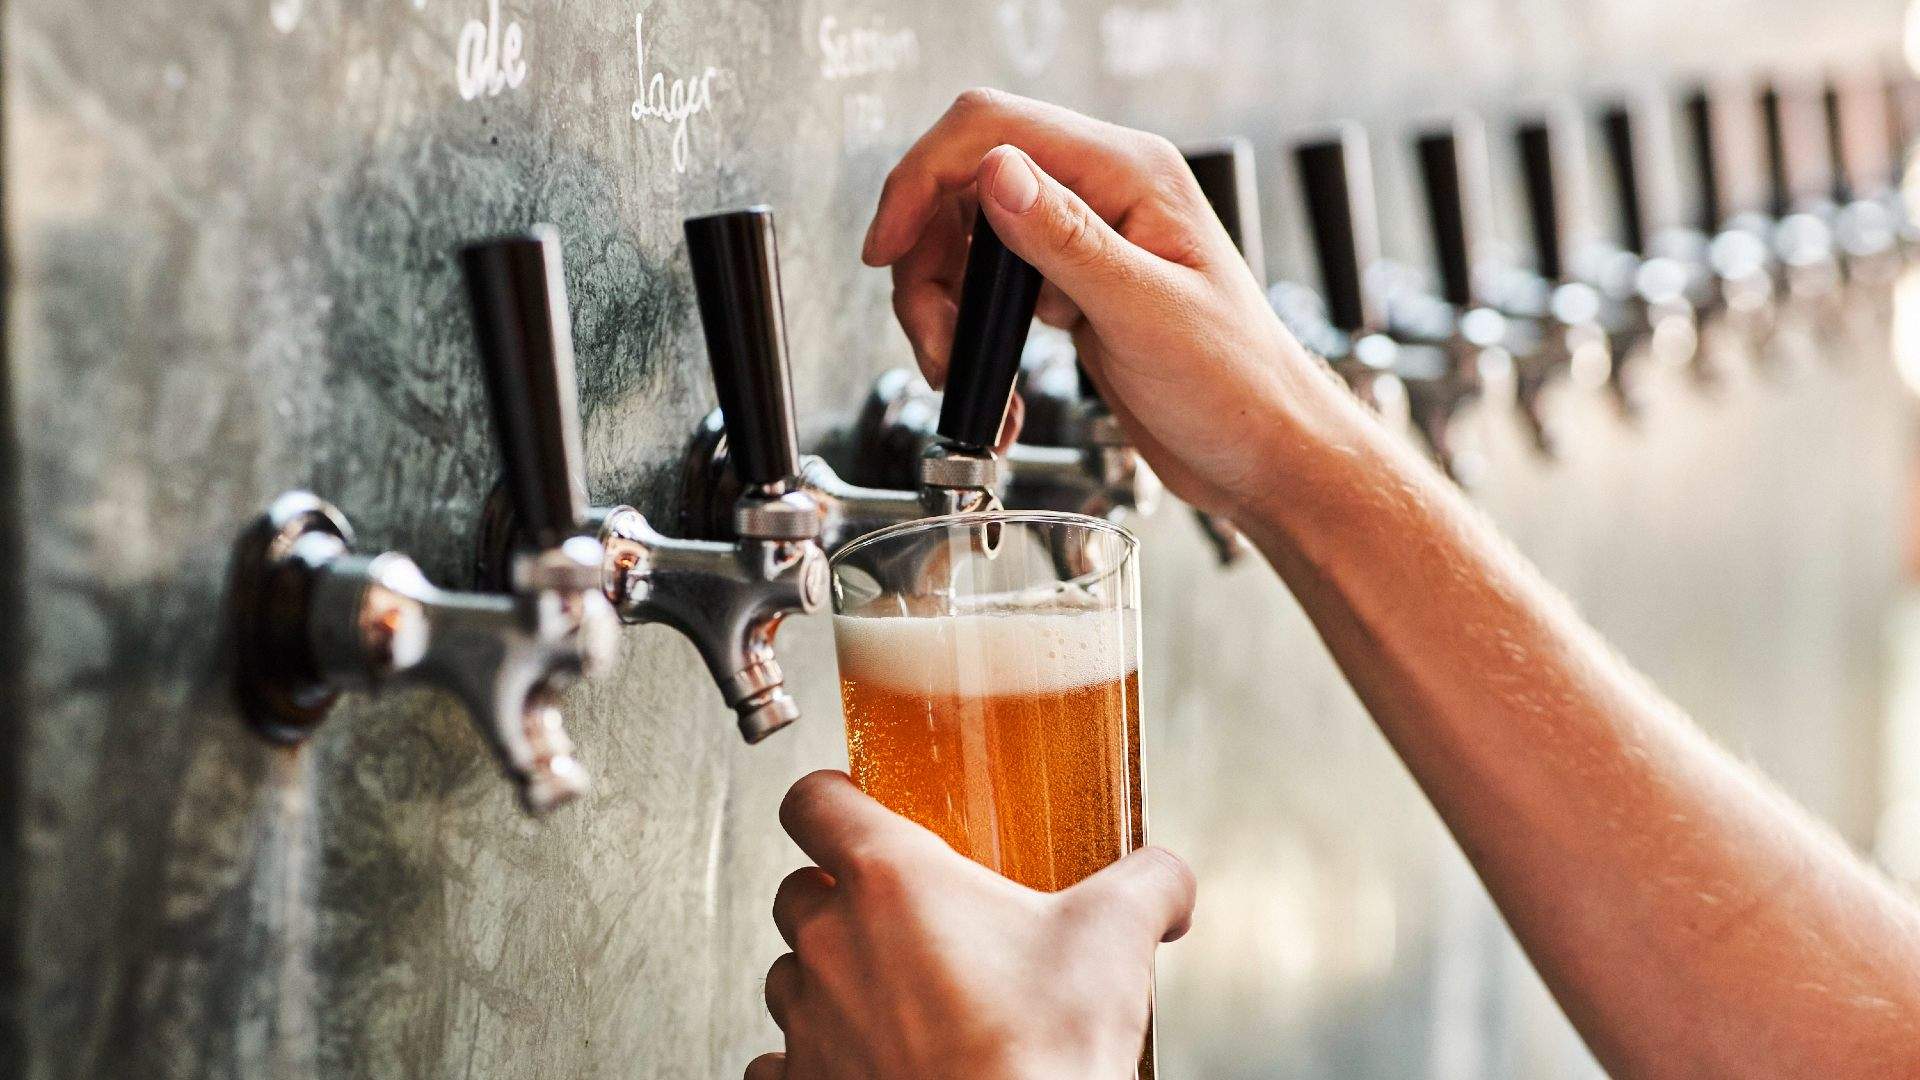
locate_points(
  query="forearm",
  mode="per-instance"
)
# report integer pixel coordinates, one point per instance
(1617, 840)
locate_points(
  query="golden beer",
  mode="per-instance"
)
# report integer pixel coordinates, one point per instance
(989, 671)
(1016, 738)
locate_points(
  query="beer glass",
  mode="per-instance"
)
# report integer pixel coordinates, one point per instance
(990, 675)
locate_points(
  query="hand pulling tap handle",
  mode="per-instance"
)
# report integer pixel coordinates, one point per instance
(1224, 170)
(736, 278)
(1336, 180)
(997, 297)
(521, 323)
(1453, 177)
(1618, 132)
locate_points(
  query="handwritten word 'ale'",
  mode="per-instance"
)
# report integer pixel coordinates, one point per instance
(489, 60)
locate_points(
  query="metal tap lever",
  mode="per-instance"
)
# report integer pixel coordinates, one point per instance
(998, 293)
(1866, 214)
(525, 340)
(997, 296)
(313, 618)
(1453, 176)
(1799, 184)
(1336, 177)
(736, 279)
(730, 598)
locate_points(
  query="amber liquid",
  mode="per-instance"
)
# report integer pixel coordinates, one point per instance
(1043, 787)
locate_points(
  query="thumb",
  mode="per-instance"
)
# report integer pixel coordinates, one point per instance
(1151, 889)
(1045, 223)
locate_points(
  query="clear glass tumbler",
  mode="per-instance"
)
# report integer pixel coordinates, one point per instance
(990, 675)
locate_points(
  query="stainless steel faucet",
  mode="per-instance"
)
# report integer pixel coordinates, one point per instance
(1808, 272)
(1415, 376)
(916, 454)
(1522, 331)
(727, 598)
(312, 618)
(1866, 215)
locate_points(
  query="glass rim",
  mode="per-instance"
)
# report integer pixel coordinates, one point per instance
(983, 517)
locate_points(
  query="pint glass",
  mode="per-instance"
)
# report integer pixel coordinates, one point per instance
(990, 675)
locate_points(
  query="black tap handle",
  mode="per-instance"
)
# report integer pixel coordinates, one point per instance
(1454, 176)
(997, 297)
(1833, 109)
(1861, 155)
(1225, 172)
(1706, 145)
(1618, 130)
(1553, 164)
(736, 281)
(522, 326)
(1798, 165)
(1336, 180)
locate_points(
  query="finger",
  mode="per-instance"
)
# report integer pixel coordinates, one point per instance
(1076, 148)
(1055, 309)
(1102, 272)
(1011, 424)
(783, 989)
(767, 1067)
(1152, 890)
(799, 898)
(841, 828)
(926, 287)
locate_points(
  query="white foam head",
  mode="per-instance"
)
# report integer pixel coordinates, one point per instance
(1026, 653)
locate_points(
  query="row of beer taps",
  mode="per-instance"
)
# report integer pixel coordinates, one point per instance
(1776, 231)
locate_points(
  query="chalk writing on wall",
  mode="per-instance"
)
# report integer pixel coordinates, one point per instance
(489, 60)
(860, 55)
(673, 103)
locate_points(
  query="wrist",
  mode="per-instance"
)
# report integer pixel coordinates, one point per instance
(1318, 449)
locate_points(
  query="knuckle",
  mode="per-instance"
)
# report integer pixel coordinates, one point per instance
(976, 100)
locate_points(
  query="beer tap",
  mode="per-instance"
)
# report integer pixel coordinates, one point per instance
(953, 466)
(1580, 281)
(1726, 247)
(1800, 187)
(312, 618)
(1543, 330)
(728, 598)
(1354, 333)
(1865, 218)
(1644, 289)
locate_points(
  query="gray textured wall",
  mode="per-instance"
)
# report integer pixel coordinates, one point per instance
(228, 226)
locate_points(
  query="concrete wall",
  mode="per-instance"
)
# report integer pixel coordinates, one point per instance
(229, 226)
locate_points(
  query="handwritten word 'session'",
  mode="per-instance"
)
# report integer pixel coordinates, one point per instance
(489, 61)
(670, 103)
(864, 50)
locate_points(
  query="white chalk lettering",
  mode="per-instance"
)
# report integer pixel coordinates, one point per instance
(674, 103)
(865, 50)
(489, 60)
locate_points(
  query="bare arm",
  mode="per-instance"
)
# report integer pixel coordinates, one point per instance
(1690, 920)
